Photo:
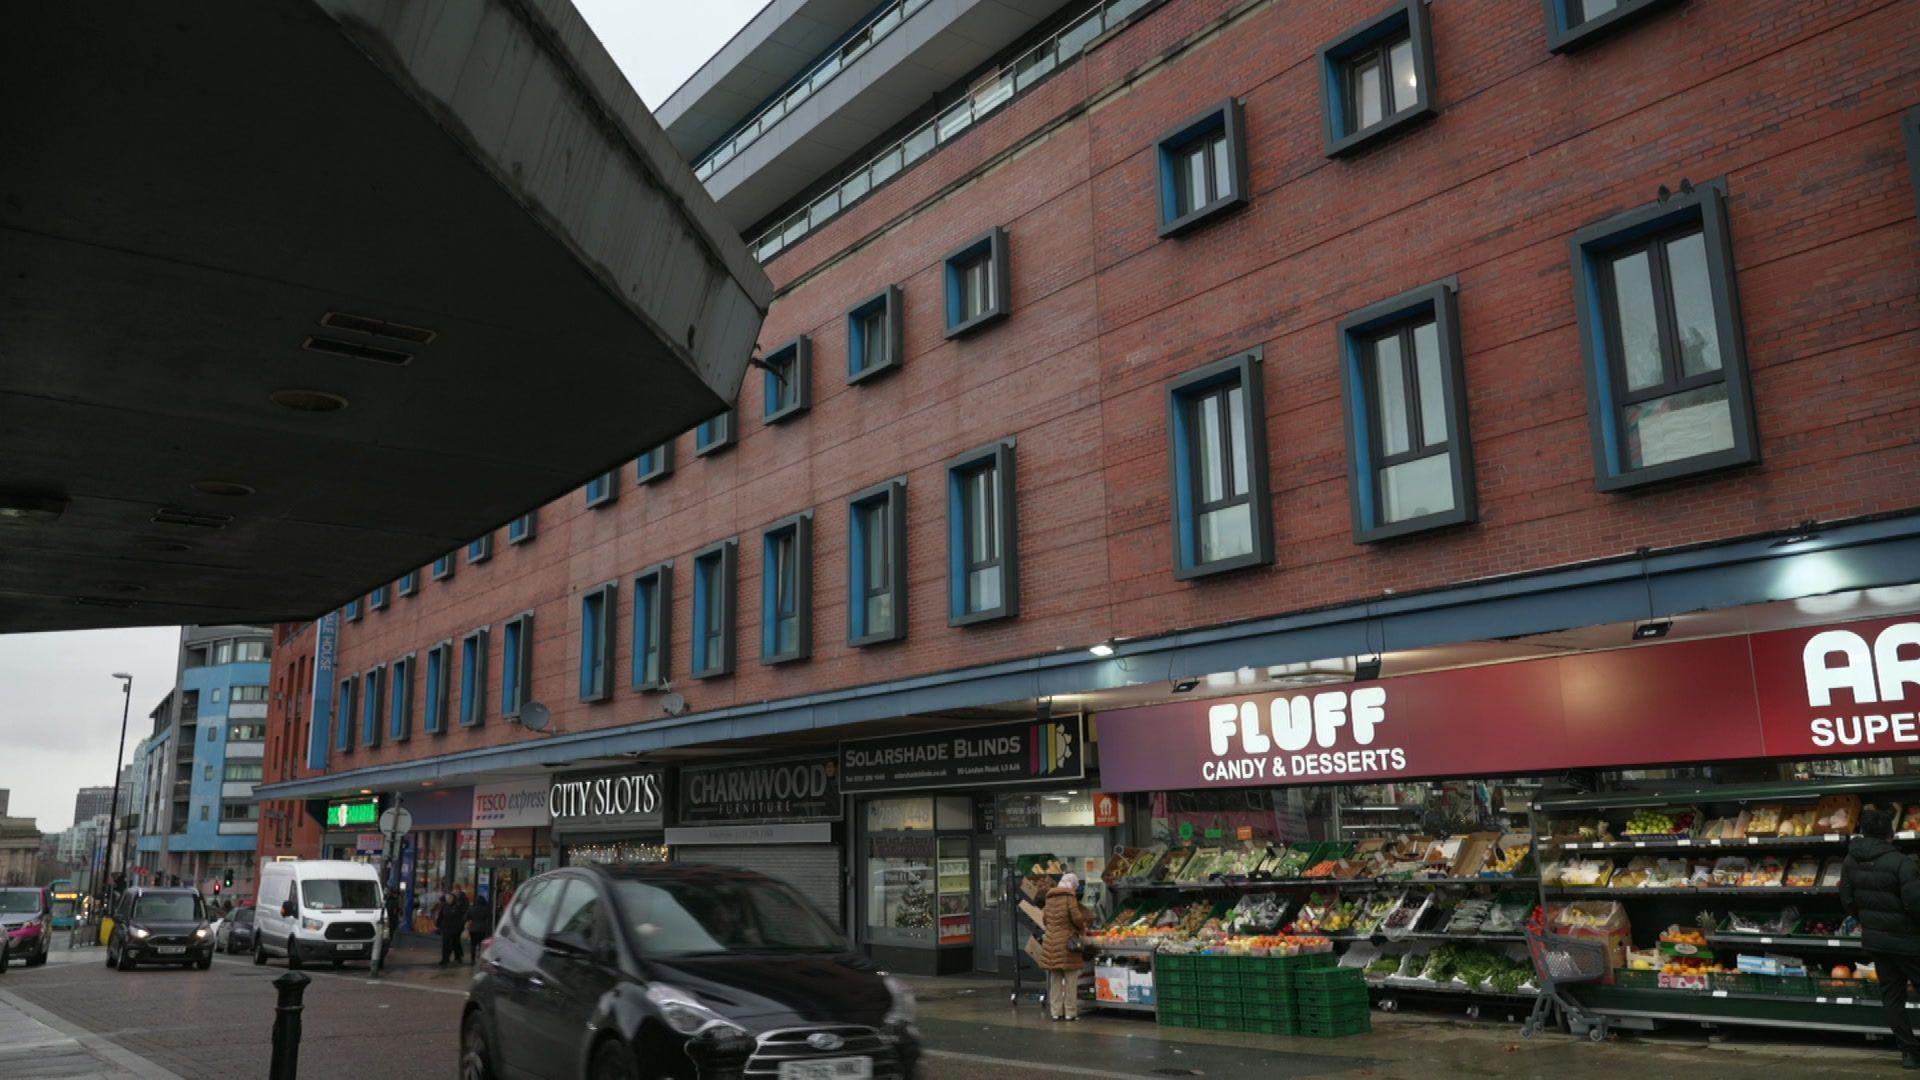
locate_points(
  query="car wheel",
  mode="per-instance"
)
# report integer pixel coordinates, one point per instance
(476, 1056)
(614, 1060)
(3, 957)
(46, 949)
(206, 961)
(127, 963)
(112, 960)
(259, 953)
(293, 958)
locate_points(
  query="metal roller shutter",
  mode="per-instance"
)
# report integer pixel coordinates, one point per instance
(814, 869)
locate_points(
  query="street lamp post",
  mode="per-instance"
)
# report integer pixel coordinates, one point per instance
(113, 807)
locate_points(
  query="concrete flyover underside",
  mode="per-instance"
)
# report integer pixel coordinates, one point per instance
(526, 286)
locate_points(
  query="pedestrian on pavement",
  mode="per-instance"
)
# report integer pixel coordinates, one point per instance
(1062, 922)
(479, 926)
(1880, 886)
(450, 920)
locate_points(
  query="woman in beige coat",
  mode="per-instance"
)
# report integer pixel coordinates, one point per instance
(1063, 920)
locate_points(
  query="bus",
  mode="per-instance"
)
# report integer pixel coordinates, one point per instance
(66, 903)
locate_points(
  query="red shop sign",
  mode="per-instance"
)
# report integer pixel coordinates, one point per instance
(1792, 693)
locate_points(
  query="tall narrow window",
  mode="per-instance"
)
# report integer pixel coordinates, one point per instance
(655, 463)
(443, 567)
(876, 594)
(438, 682)
(480, 550)
(520, 529)
(788, 380)
(713, 610)
(874, 330)
(604, 488)
(400, 699)
(408, 584)
(597, 616)
(983, 577)
(1410, 462)
(1573, 24)
(1218, 448)
(352, 610)
(516, 663)
(786, 605)
(1202, 168)
(977, 286)
(473, 678)
(1378, 77)
(1660, 326)
(652, 607)
(343, 729)
(373, 705)
(715, 434)
(377, 599)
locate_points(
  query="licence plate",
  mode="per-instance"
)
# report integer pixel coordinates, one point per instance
(171, 950)
(355, 947)
(846, 1068)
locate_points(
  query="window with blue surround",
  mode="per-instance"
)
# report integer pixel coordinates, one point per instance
(473, 678)
(377, 599)
(715, 434)
(1217, 451)
(400, 699)
(654, 464)
(652, 626)
(408, 584)
(520, 529)
(343, 725)
(788, 381)
(1574, 24)
(713, 597)
(516, 663)
(876, 564)
(602, 489)
(353, 610)
(786, 590)
(1409, 457)
(373, 704)
(437, 683)
(1203, 168)
(1911, 125)
(977, 283)
(443, 567)
(983, 565)
(875, 332)
(480, 550)
(1377, 78)
(1659, 318)
(597, 614)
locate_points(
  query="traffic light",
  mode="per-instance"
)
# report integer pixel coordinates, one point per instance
(229, 878)
(216, 888)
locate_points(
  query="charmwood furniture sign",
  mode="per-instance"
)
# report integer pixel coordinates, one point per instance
(1027, 752)
(610, 800)
(1811, 692)
(804, 789)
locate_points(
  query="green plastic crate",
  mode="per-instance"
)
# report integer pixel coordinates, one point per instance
(1336, 1031)
(1217, 978)
(1630, 979)
(1231, 1010)
(1342, 1000)
(1179, 1020)
(1172, 962)
(1328, 978)
(1269, 999)
(1334, 1014)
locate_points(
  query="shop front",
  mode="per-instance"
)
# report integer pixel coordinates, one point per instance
(944, 825)
(609, 816)
(511, 840)
(347, 823)
(781, 818)
(1683, 804)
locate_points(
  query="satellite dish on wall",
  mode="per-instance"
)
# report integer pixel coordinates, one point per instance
(534, 716)
(673, 704)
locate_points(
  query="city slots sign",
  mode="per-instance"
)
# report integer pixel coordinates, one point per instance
(632, 799)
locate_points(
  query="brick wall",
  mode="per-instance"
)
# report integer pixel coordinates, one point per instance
(1796, 104)
(285, 826)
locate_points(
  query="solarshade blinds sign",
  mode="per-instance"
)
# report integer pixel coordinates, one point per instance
(1022, 753)
(763, 791)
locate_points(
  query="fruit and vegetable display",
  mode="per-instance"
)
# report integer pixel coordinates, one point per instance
(1374, 911)
(1661, 823)
(1828, 926)
(1910, 819)
(1256, 913)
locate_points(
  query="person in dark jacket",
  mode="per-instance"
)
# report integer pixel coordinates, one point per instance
(479, 925)
(1880, 886)
(451, 922)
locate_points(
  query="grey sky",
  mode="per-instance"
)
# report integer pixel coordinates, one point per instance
(59, 705)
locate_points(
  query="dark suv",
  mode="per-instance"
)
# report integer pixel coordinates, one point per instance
(160, 926)
(26, 925)
(667, 970)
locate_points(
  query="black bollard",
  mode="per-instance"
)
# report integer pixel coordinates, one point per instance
(286, 1025)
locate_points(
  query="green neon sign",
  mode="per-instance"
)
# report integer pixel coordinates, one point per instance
(346, 815)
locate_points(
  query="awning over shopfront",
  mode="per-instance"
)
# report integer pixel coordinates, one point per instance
(302, 294)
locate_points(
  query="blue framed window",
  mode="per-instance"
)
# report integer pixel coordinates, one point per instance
(1911, 125)
(516, 663)
(480, 550)
(977, 283)
(715, 434)
(439, 668)
(1203, 168)
(343, 726)
(400, 699)
(1409, 457)
(373, 704)
(377, 599)
(786, 590)
(1574, 24)
(652, 628)
(597, 614)
(983, 566)
(602, 489)
(713, 599)
(654, 464)
(1660, 329)
(473, 677)
(1377, 78)
(443, 567)
(876, 564)
(352, 610)
(788, 381)
(875, 332)
(1217, 452)
(520, 529)
(408, 584)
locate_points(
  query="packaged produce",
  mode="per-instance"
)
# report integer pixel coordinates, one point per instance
(1405, 918)
(1830, 873)
(1634, 875)
(1727, 828)
(1867, 971)
(1661, 824)
(1643, 959)
(1580, 829)
(1836, 814)
(1293, 862)
(1667, 874)
(1509, 856)
(1584, 871)
(1509, 913)
(1468, 916)
(1322, 869)
(1374, 911)
(1803, 872)
(1383, 966)
(1829, 926)
(1728, 870)
(1765, 820)
(1910, 819)
(1798, 822)
(1764, 874)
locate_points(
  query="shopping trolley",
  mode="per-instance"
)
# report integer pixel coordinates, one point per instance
(1559, 960)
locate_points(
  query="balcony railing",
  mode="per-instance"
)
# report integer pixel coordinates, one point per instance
(1026, 71)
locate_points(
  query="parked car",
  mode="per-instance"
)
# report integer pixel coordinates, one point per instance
(317, 909)
(160, 926)
(678, 970)
(234, 934)
(26, 925)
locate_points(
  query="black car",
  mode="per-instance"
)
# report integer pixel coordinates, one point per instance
(235, 932)
(691, 972)
(160, 926)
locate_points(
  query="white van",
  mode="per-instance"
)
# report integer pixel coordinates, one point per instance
(317, 909)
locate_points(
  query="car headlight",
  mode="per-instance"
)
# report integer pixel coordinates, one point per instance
(311, 924)
(684, 1014)
(138, 931)
(904, 1008)
(203, 932)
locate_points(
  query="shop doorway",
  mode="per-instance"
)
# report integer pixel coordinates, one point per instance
(990, 927)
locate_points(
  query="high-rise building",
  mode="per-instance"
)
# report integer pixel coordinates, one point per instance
(91, 801)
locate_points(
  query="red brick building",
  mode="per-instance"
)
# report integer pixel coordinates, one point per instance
(288, 828)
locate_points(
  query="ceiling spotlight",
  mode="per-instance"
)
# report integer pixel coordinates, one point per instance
(1182, 686)
(1647, 631)
(18, 506)
(1102, 650)
(224, 488)
(1366, 668)
(311, 401)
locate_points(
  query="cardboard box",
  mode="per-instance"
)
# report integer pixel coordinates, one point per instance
(1110, 982)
